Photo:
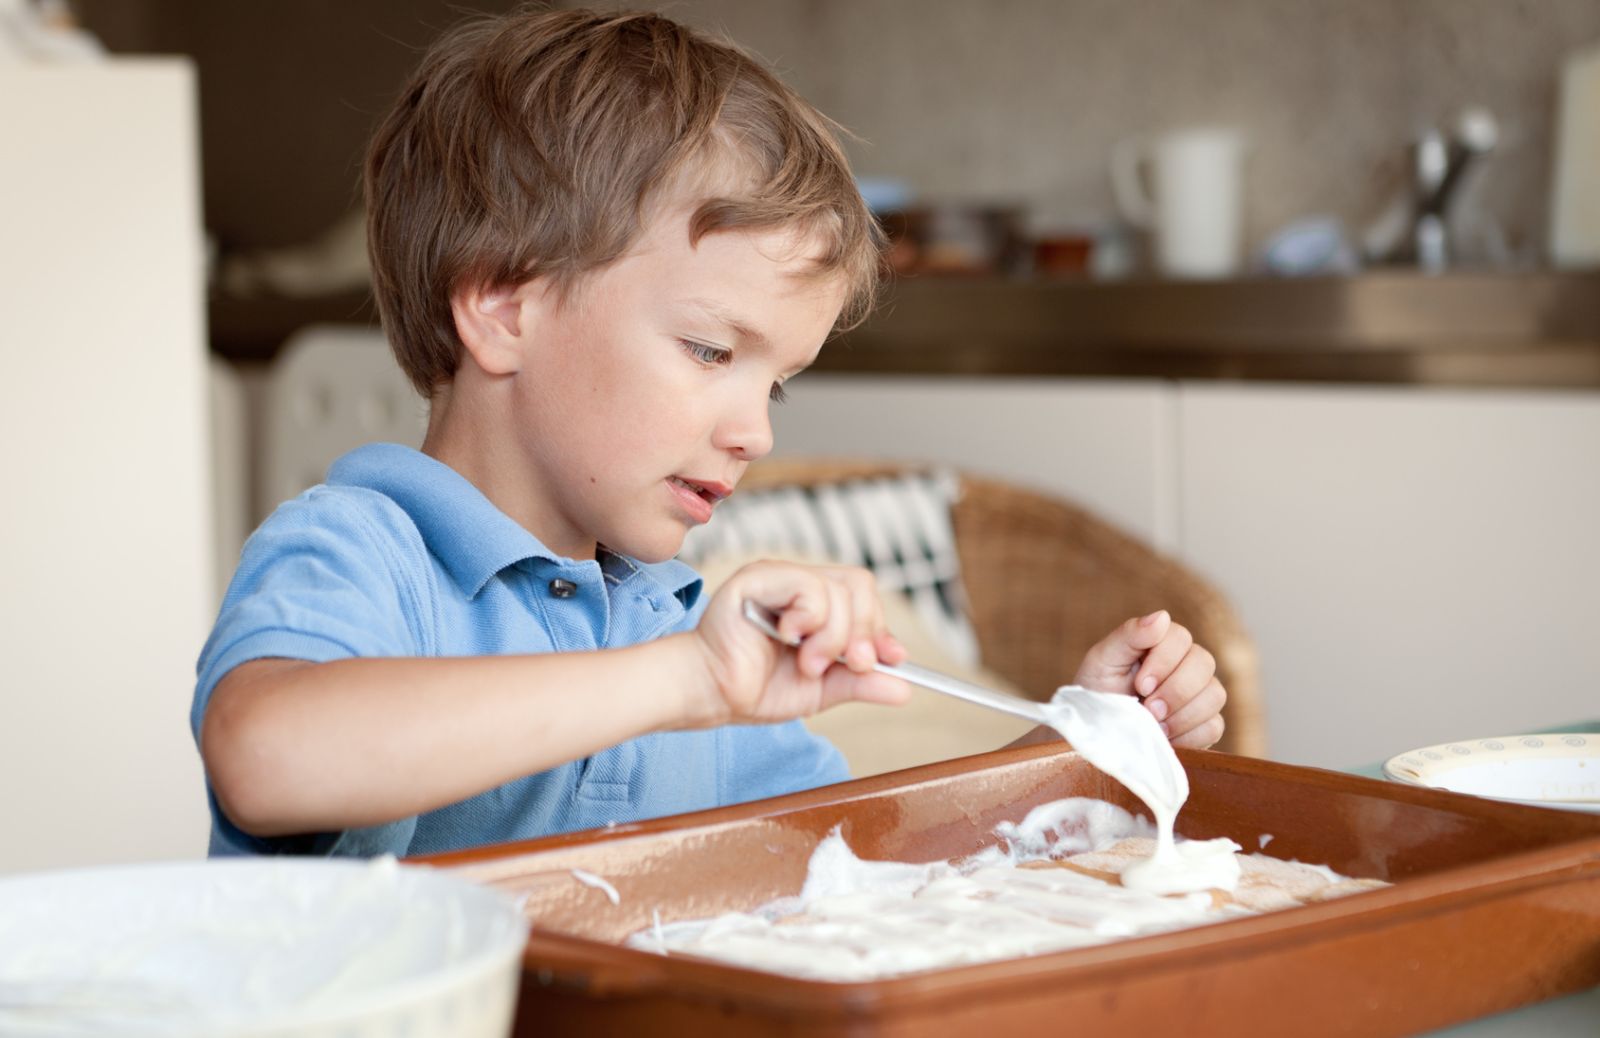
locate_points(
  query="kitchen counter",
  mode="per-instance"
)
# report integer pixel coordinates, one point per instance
(1539, 329)
(1514, 330)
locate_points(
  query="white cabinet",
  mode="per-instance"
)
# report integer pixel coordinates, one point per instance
(1415, 565)
(105, 535)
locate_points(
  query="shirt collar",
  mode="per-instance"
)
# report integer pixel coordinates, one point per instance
(472, 538)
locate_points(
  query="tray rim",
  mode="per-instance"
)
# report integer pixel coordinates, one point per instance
(480, 862)
(1572, 860)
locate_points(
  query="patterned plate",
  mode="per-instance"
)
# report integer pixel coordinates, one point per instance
(1559, 769)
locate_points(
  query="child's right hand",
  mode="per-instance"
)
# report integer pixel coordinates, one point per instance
(749, 678)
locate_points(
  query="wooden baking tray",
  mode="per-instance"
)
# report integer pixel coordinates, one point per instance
(1494, 906)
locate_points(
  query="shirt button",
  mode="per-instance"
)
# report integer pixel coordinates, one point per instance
(563, 588)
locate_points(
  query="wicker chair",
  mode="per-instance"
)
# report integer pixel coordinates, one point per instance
(1045, 580)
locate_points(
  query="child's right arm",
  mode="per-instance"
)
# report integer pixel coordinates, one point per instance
(294, 747)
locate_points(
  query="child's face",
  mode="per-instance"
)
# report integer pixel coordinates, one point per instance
(642, 401)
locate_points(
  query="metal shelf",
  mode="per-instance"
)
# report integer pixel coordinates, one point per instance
(1540, 329)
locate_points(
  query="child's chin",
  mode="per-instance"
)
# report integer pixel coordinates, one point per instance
(658, 549)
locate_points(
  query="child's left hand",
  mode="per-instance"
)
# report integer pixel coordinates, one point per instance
(1157, 660)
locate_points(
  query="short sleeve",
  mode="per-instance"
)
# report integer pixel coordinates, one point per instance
(330, 575)
(324, 578)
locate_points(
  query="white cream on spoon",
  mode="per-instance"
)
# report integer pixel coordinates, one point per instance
(1118, 735)
(1114, 733)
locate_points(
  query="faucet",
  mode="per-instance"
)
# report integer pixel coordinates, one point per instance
(1415, 228)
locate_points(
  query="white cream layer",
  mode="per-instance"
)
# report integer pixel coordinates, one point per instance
(858, 920)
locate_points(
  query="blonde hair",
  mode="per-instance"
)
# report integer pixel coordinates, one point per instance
(536, 143)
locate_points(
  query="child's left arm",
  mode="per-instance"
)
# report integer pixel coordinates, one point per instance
(1158, 661)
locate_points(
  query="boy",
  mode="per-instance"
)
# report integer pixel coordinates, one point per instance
(600, 246)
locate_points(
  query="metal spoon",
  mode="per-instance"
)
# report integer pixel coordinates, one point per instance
(767, 621)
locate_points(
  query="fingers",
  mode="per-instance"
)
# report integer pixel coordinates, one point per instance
(1162, 662)
(1186, 724)
(890, 650)
(832, 639)
(798, 596)
(834, 612)
(1184, 697)
(842, 685)
(1107, 666)
(1158, 660)
(1203, 737)
(866, 617)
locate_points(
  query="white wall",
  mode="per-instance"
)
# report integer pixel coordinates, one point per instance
(1416, 566)
(1110, 443)
(105, 537)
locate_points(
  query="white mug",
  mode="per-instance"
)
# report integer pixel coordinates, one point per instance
(1194, 205)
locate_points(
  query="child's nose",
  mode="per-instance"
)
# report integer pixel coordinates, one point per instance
(746, 431)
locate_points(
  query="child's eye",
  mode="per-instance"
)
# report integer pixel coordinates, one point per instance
(777, 395)
(706, 354)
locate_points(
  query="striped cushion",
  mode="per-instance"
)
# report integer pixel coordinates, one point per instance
(896, 526)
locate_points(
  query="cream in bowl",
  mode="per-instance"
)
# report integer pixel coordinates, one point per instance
(259, 947)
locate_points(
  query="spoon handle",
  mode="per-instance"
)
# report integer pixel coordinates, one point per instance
(767, 621)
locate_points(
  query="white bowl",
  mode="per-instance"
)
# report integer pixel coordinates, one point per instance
(258, 947)
(1560, 769)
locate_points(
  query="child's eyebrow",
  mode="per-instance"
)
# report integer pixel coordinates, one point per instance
(728, 319)
(745, 331)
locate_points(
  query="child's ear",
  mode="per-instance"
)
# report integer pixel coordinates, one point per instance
(495, 323)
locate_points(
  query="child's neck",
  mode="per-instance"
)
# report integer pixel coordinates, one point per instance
(464, 438)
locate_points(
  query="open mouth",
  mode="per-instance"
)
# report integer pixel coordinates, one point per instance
(709, 494)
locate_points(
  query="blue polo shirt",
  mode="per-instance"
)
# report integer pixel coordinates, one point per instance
(399, 555)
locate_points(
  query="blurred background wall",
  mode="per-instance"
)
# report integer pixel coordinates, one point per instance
(1013, 100)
